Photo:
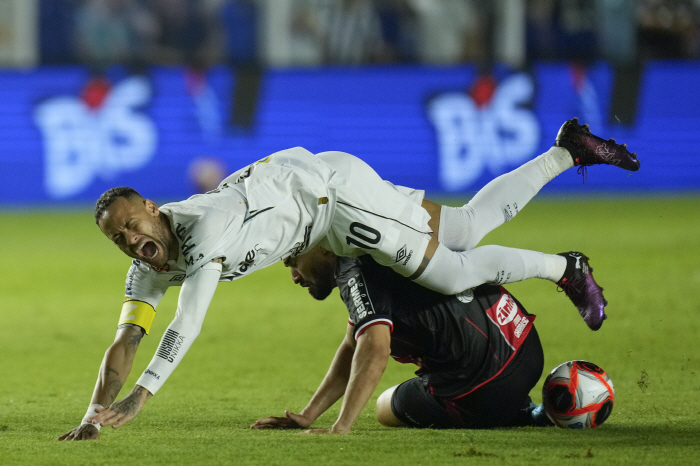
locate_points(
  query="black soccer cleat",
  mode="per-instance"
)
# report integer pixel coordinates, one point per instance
(588, 149)
(582, 290)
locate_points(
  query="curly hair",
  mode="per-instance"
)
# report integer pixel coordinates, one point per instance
(108, 198)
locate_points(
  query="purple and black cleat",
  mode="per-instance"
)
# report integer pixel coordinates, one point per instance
(588, 149)
(582, 290)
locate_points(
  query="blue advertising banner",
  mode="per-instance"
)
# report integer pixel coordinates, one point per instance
(66, 137)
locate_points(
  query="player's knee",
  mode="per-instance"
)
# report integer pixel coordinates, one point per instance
(385, 415)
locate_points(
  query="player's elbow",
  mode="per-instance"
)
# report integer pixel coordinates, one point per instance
(376, 342)
(381, 350)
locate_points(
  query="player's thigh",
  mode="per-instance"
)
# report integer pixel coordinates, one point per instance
(500, 402)
(392, 241)
(373, 216)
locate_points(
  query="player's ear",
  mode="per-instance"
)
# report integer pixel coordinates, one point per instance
(151, 208)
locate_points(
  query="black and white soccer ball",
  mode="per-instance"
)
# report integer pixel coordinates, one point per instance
(578, 395)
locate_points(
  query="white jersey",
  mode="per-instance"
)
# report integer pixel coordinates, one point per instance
(277, 207)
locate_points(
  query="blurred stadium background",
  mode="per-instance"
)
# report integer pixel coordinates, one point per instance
(168, 96)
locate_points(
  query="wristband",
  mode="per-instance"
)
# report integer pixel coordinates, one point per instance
(91, 412)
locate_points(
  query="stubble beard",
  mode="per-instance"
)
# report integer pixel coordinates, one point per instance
(324, 282)
(162, 233)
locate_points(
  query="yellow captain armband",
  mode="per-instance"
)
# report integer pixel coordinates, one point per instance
(137, 313)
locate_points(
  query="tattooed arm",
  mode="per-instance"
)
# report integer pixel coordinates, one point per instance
(114, 370)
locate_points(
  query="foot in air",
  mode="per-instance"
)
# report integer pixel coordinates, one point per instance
(582, 290)
(588, 149)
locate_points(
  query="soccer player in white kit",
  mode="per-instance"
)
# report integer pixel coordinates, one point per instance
(293, 200)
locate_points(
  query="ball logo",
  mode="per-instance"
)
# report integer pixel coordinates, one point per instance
(506, 310)
(488, 129)
(99, 135)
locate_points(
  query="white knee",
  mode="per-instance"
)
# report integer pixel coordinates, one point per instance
(385, 415)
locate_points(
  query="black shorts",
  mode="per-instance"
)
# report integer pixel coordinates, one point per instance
(503, 402)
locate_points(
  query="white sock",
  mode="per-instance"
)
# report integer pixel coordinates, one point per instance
(461, 228)
(451, 272)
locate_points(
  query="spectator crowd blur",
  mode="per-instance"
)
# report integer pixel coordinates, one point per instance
(352, 32)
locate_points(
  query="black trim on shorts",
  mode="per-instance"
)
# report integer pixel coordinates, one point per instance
(380, 216)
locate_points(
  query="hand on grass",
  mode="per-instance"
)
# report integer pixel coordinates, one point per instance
(123, 410)
(83, 432)
(289, 421)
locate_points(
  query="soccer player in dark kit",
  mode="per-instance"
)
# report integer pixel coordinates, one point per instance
(478, 352)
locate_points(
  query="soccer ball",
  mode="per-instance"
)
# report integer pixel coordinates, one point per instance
(577, 395)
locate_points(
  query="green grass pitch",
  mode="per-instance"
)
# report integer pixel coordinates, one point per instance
(266, 345)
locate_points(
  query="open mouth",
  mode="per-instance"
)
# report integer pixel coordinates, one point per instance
(148, 250)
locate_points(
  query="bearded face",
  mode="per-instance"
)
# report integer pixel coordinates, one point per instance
(315, 271)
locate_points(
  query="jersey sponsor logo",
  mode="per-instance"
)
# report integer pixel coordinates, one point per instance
(488, 129)
(299, 246)
(359, 298)
(98, 135)
(247, 262)
(170, 345)
(178, 278)
(401, 255)
(506, 310)
(513, 324)
(520, 324)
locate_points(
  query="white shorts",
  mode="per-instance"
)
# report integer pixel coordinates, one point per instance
(372, 216)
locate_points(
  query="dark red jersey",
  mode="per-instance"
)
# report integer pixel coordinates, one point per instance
(459, 342)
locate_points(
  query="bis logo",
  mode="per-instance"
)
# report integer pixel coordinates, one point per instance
(488, 129)
(98, 135)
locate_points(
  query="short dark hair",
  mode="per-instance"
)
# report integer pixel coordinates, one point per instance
(108, 198)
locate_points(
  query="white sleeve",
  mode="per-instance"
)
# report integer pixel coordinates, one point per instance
(195, 296)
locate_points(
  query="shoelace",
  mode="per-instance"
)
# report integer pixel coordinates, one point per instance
(569, 285)
(583, 171)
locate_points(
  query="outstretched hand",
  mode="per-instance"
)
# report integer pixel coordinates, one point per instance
(123, 410)
(289, 421)
(82, 432)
